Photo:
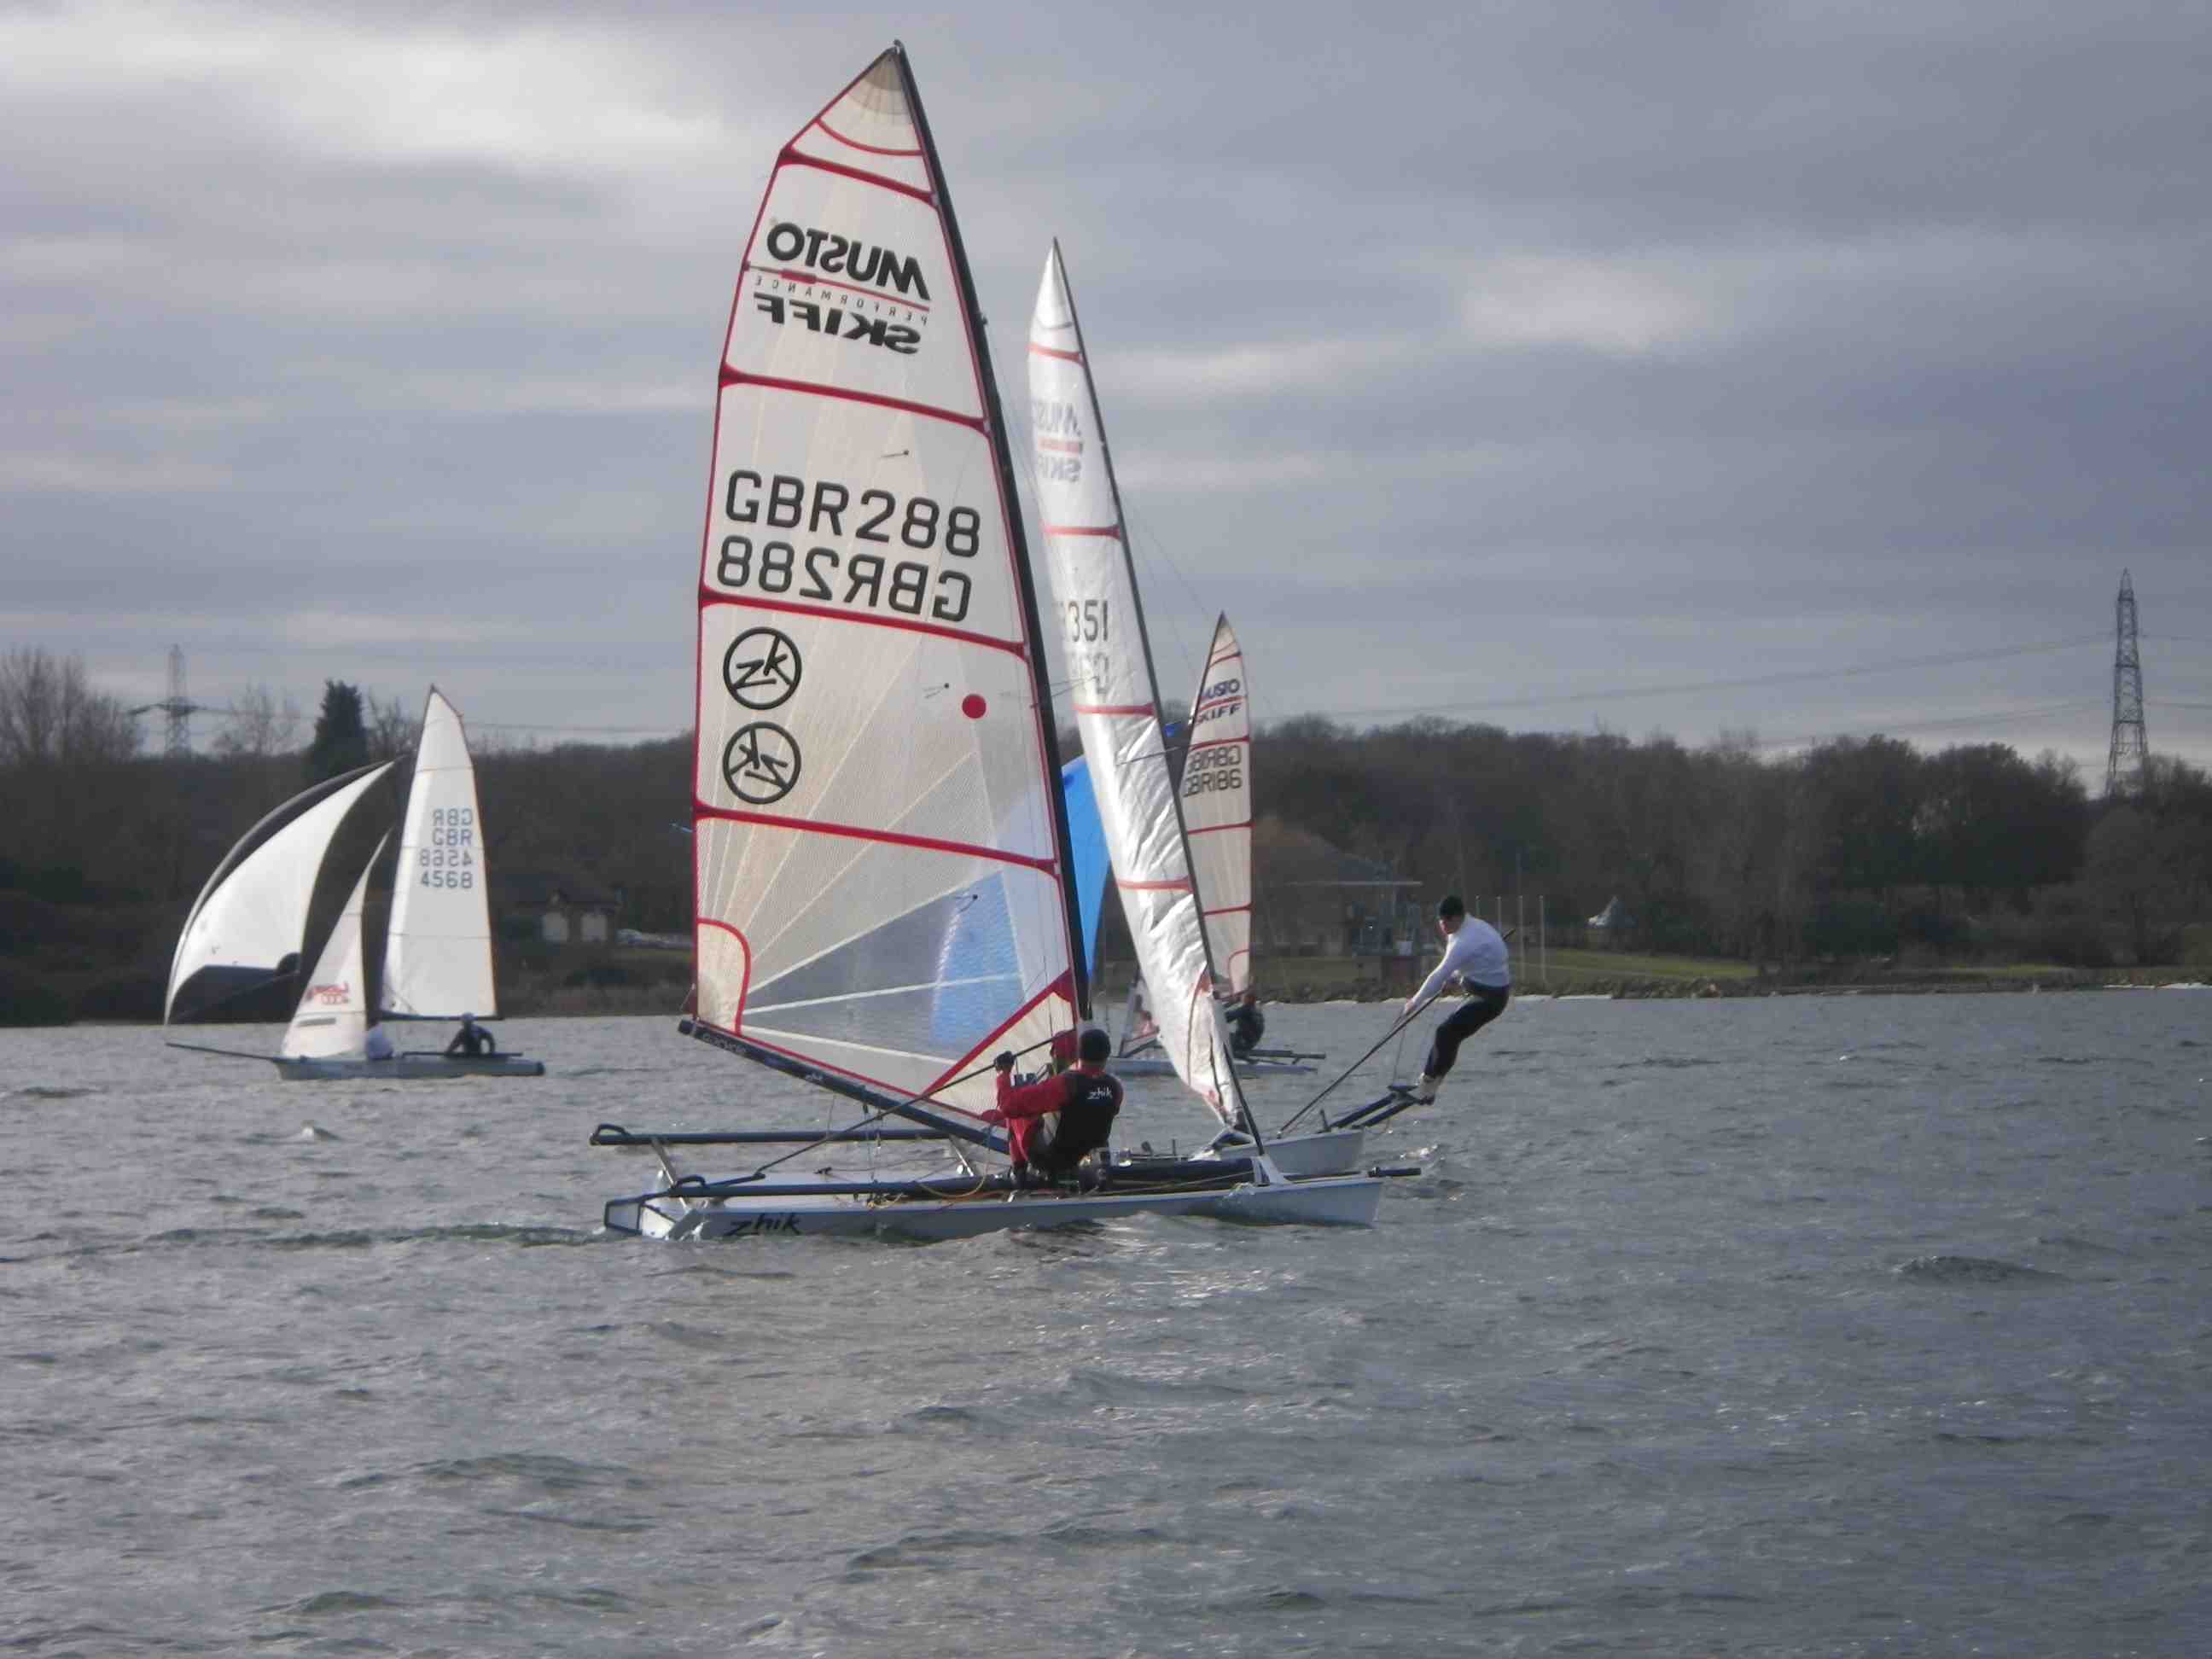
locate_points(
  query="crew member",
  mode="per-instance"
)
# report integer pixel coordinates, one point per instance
(1476, 955)
(1051, 1124)
(1247, 1025)
(471, 1041)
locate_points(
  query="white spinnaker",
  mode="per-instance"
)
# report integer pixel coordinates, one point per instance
(879, 857)
(254, 914)
(1116, 697)
(1217, 806)
(437, 955)
(333, 1018)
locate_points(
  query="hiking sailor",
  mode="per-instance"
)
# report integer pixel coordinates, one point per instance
(1476, 955)
(1247, 1025)
(1050, 1125)
(471, 1041)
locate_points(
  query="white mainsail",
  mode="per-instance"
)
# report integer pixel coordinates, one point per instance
(1217, 805)
(437, 955)
(1116, 697)
(252, 913)
(332, 1018)
(884, 894)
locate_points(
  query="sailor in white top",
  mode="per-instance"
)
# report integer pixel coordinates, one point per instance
(1475, 954)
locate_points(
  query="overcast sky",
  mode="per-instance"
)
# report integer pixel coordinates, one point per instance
(1799, 369)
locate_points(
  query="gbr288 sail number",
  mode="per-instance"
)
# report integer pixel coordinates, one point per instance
(851, 577)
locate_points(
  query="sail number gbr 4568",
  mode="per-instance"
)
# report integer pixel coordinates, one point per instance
(757, 560)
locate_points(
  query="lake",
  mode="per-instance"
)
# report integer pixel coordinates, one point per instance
(1808, 1326)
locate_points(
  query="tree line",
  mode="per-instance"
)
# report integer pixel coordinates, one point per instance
(1855, 847)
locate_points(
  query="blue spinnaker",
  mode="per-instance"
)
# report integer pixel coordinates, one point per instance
(1086, 838)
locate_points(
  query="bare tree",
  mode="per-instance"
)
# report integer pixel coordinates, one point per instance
(49, 712)
(392, 730)
(260, 724)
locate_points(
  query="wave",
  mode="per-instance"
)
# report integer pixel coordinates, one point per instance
(1970, 1270)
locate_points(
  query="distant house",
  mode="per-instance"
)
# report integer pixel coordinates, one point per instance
(562, 910)
(1321, 901)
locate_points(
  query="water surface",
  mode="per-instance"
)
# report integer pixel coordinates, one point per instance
(1809, 1325)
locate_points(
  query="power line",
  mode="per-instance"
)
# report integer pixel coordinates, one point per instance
(1961, 722)
(1789, 677)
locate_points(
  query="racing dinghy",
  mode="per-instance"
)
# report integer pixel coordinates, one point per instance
(884, 888)
(247, 928)
(1116, 701)
(1139, 1054)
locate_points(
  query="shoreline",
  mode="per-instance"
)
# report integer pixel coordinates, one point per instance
(573, 1002)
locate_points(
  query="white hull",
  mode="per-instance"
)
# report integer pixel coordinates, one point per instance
(1341, 1201)
(1303, 1158)
(407, 1068)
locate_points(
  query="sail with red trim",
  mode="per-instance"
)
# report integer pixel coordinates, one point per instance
(880, 851)
(1217, 806)
(1116, 696)
(331, 1020)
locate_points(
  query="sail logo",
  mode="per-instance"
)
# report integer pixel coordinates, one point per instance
(866, 263)
(1059, 436)
(331, 995)
(1050, 418)
(760, 763)
(760, 669)
(838, 323)
(1218, 701)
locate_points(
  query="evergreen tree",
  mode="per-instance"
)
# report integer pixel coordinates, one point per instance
(341, 737)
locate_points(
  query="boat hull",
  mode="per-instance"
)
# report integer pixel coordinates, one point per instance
(1303, 1158)
(1340, 1201)
(407, 1068)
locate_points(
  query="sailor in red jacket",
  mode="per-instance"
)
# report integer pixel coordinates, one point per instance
(1051, 1124)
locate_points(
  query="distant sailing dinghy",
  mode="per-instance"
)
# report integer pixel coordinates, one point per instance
(250, 922)
(1139, 1054)
(884, 885)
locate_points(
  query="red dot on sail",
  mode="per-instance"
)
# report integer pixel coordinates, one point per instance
(972, 706)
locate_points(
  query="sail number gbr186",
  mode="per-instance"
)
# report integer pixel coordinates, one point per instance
(766, 563)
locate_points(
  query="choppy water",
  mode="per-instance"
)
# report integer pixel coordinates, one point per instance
(1841, 1326)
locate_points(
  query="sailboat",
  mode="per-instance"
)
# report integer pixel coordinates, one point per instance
(1138, 1052)
(1217, 806)
(1116, 706)
(247, 927)
(885, 885)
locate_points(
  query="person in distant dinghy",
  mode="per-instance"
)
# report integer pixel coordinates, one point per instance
(1051, 1124)
(1476, 955)
(471, 1041)
(1247, 1025)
